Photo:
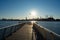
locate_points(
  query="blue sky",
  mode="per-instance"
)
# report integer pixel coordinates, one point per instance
(22, 8)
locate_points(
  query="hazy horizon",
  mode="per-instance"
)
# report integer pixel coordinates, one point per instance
(18, 9)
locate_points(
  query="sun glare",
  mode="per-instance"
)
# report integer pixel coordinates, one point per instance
(33, 14)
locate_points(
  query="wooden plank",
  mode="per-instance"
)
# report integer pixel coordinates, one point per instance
(25, 33)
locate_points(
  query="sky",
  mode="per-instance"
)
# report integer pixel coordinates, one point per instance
(19, 9)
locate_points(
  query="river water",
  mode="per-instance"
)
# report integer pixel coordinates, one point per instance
(51, 25)
(7, 23)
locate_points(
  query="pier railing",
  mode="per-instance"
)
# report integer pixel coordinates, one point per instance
(44, 34)
(7, 31)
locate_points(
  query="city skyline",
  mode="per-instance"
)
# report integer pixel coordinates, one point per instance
(18, 9)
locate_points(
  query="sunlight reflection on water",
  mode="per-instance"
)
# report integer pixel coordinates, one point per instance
(33, 22)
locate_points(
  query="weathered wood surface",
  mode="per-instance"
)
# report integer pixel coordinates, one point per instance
(24, 33)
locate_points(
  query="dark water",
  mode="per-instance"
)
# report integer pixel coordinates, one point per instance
(7, 23)
(53, 26)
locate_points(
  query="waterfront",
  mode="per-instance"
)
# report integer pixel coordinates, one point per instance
(7, 23)
(53, 26)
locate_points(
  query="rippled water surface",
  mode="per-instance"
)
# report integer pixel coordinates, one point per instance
(7, 23)
(53, 26)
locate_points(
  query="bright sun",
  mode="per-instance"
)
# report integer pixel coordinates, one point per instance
(33, 13)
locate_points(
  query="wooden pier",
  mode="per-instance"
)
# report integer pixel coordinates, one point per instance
(27, 31)
(24, 33)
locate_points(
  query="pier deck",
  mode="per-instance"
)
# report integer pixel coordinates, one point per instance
(24, 33)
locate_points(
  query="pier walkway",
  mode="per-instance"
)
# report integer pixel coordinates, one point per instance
(24, 33)
(32, 31)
